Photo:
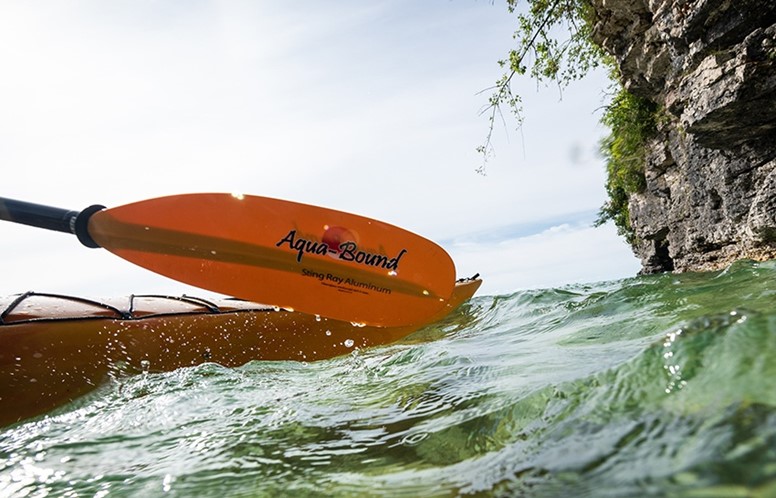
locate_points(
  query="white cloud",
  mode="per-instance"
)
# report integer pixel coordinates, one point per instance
(557, 256)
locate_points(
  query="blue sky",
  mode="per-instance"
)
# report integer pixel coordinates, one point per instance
(367, 107)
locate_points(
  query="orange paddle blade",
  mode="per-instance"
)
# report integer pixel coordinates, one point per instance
(307, 258)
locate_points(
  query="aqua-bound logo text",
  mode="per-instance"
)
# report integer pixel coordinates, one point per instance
(347, 251)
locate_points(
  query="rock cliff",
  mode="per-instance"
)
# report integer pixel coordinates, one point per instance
(710, 65)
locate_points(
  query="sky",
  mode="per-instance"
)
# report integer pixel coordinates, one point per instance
(366, 107)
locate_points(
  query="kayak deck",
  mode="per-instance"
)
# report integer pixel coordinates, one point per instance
(35, 307)
(56, 348)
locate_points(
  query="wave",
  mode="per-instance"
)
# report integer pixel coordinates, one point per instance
(650, 386)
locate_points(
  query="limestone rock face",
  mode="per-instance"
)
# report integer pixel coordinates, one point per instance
(711, 171)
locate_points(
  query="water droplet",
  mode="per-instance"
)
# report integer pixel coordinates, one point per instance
(145, 365)
(358, 324)
(238, 196)
(213, 253)
(392, 273)
(317, 318)
(349, 343)
(328, 332)
(425, 293)
(167, 483)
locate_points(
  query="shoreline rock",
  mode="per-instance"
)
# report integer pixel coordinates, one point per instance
(710, 65)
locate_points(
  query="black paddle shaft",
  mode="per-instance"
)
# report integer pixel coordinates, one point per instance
(50, 218)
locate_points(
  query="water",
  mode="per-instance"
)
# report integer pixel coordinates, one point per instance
(652, 386)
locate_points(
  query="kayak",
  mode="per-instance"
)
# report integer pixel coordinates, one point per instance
(55, 348)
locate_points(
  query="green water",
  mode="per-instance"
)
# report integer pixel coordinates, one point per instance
(652, 386)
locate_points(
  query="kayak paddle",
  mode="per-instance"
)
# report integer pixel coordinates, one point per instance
(297, 256)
